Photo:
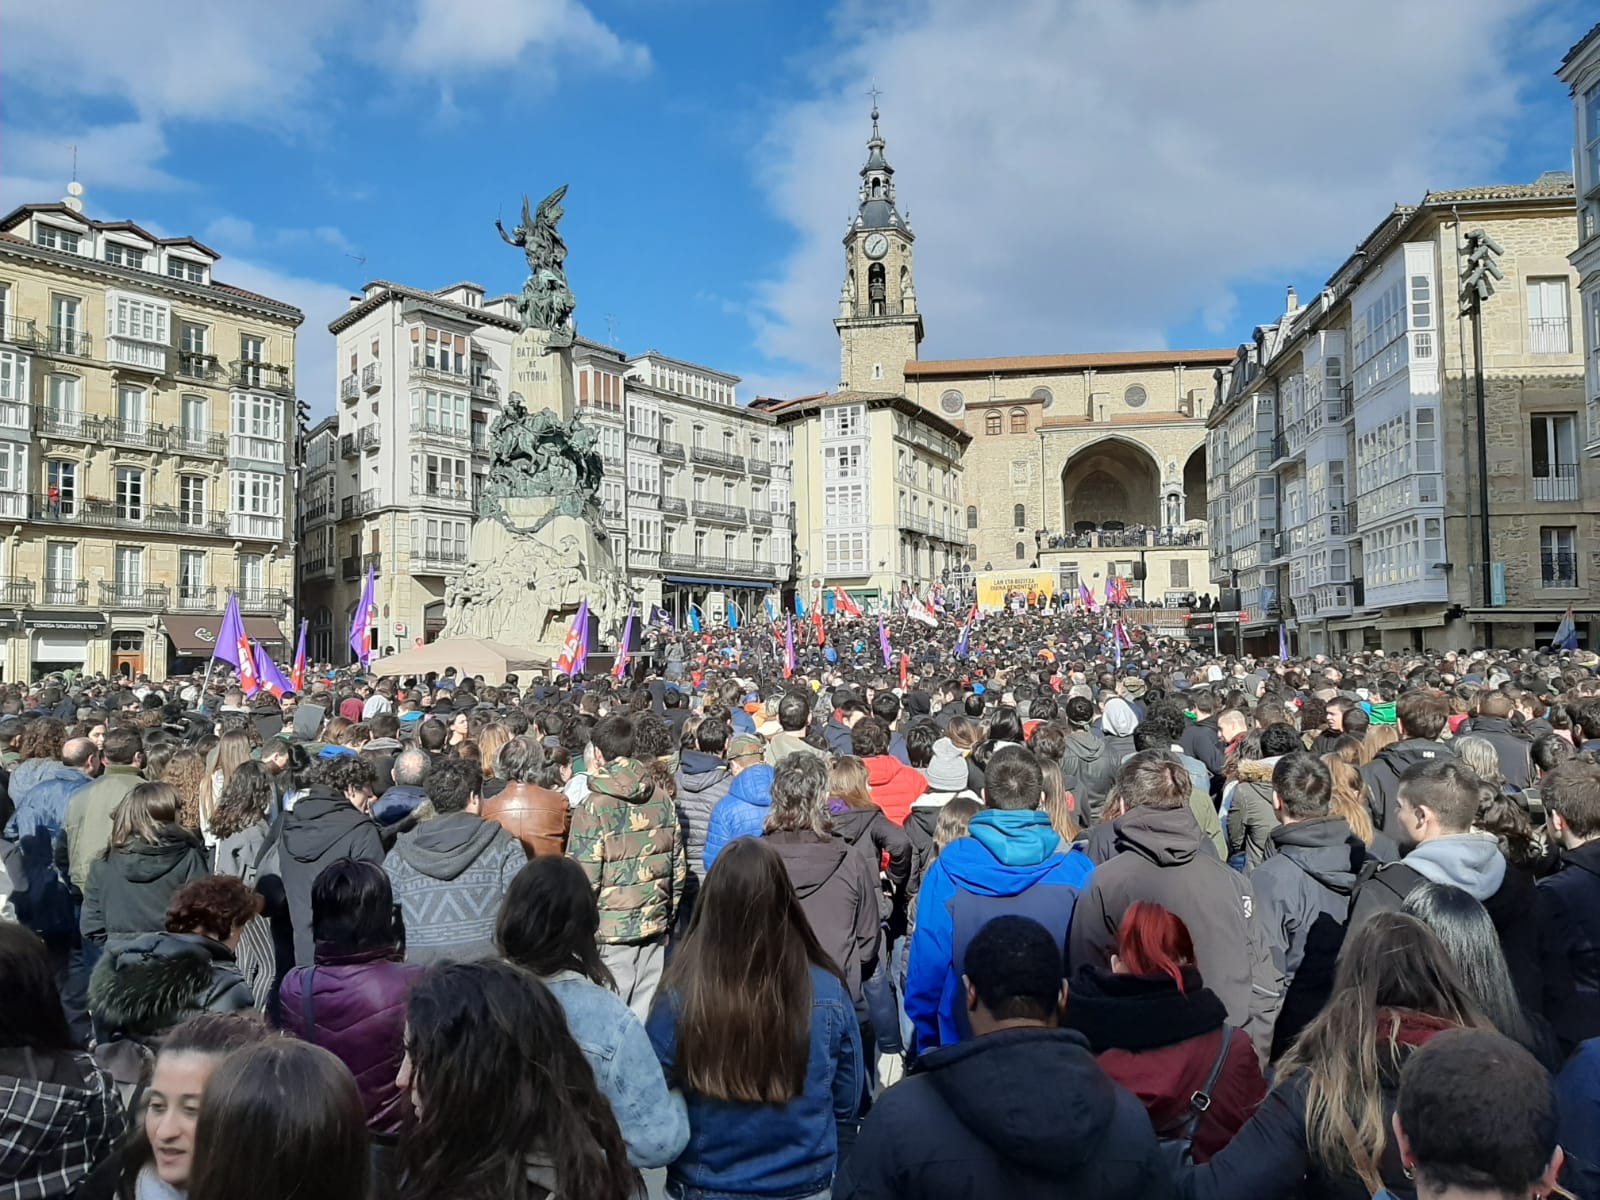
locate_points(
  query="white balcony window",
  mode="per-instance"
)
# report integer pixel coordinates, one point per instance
(1553, 443)
(1549, 326)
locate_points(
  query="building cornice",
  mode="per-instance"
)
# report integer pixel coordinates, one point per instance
(223, 295)
(387, 291)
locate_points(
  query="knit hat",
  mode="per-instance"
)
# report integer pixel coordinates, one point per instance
(1119, 717)
(947, 771)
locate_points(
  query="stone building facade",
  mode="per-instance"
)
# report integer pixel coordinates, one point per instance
(147, 419)
(1580, 71)
(1090, 465)
(1345, 482)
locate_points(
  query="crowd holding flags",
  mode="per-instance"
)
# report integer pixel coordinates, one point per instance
(297, 673)
(883, 641)
(359, 641)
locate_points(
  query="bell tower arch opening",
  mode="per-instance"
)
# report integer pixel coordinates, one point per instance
(1111, 484)
(1194, 486)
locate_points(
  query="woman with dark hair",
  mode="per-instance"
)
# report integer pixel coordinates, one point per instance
(754, 1023)
(149, 859)
(1326, 1122)
(186, 772)
(548, 925)
(156, 1158)
(142, 988)
(59, 1114)
(352, 1001)
(506, 1103)
(1465, 929)
(280, 1119)
(1157, 1030)
(239, 822)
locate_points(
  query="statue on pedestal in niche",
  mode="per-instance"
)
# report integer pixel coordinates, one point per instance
(547, 302)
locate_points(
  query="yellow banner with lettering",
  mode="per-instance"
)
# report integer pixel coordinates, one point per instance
(995, 588)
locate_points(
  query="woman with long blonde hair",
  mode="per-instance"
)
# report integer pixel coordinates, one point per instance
(1350, 801)
(233, 750)
(1325, 1127)
(1377, 737)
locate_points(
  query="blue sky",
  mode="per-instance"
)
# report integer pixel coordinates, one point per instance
(1106, 174)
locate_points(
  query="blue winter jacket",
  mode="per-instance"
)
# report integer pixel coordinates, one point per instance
(1578, 1108)
(775, 1151)
(1010, 863)
(741, 813)
(41, 788)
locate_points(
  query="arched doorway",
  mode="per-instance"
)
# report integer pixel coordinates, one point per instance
(1109, 485)
(1194, 486)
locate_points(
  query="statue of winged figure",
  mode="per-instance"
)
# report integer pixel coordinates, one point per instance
(547, 301)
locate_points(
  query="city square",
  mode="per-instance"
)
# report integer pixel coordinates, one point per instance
(555, 641)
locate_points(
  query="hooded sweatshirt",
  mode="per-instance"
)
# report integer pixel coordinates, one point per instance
(321, 828)
(838, 891)
(1021, 1113)
(1119, 720)
(1160, 857)
(1009, 864)
(450, 876)
(625, 836)
(1088, 770)
(131, 886)
(741, 813)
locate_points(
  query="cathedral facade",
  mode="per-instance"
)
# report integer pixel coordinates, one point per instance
(1082, 465)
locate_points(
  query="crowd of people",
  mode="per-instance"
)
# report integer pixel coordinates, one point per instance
(1023, 909)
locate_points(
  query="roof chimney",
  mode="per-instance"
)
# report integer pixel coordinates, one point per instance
(1292, 304)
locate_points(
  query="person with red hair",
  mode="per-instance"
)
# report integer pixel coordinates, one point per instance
(1157, 1030)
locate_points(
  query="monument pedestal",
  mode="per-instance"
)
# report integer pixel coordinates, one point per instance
(542, 377)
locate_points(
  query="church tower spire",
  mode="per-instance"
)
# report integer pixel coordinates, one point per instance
(878, 323)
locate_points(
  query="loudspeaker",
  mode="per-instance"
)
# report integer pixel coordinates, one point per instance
(1139, 572)
(1228, 600)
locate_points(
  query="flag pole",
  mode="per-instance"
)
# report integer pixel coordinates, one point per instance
(210, 663)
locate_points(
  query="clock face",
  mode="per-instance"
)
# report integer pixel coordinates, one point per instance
(877, 245)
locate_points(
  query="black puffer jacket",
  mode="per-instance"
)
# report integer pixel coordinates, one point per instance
(1023, 1113)
(873, 834)
(703, 780)
(157, 981)
(1088, 769)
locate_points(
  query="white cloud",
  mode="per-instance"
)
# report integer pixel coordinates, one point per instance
(123, 155)
(448, 35)
(1085, 176)
(315, 372)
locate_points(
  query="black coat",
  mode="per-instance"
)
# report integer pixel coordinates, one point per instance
(1026, 1114)
(156, 981)
(873, 834)
(1383, 777)
(1569, 917)
(321, 828)
(130, 887)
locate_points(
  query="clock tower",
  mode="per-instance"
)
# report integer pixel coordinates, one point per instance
(878, 323)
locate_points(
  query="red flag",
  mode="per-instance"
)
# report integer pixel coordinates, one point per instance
(822, 638)
(249, 681)
(844, 603)
(905, 670)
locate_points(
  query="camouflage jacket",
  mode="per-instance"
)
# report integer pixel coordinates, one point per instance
(625, 836)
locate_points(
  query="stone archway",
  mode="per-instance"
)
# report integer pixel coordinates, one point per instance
(1194, 485)
(1109, 484)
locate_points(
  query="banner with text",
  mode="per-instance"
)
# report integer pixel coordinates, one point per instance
(995, 588)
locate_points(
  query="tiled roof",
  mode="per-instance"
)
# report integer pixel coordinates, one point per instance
(1581, 45)
(1068, 362)
(1552, 185)
(255, 296)
(375, 298)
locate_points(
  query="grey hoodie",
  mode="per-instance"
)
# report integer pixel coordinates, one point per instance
(1469, 861)
(450, 876)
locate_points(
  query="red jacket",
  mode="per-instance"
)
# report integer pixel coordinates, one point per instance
(895, 786)
(1160, 1044)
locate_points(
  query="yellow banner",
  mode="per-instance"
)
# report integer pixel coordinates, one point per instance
(995, 588)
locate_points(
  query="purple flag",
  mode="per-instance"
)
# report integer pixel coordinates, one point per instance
(621, 668)
(359, 642)
(583, 642)
(267, 674)
(231, 636)
(883, 641)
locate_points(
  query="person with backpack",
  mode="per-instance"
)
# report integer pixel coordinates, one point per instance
(959, 1127)
(1087, 768)
(1422, 717)
(1252, 815)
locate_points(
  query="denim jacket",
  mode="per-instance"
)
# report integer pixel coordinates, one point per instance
(654, 1121)
(774, 1151)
